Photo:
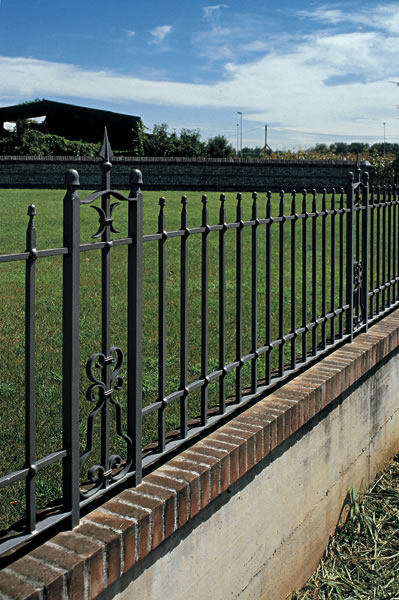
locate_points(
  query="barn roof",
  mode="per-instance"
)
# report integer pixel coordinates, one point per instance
(75, 122)
(40, 108)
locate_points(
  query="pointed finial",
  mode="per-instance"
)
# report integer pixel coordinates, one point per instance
(106, 151)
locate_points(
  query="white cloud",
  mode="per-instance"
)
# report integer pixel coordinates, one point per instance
(324, 14)
(130, 34)
(159, 33)
(384, 16)
(209, 11)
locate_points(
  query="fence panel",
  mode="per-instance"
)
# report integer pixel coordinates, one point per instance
(287, 279)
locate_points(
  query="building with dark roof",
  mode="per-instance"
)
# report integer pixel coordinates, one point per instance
(76, 122)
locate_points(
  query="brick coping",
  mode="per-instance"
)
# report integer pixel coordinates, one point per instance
(82, 563)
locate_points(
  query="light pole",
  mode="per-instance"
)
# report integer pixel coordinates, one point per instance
(238, 139)
(240, 113)
(384, 139)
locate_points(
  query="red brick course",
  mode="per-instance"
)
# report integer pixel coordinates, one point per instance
(109, 541)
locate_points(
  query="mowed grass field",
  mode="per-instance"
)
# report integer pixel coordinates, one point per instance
(48, 203)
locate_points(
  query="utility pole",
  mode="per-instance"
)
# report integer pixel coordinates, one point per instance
(238, 139)
(265, 138)
(384, 140)
(240, 113)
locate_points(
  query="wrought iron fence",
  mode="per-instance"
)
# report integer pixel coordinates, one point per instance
(308, 270)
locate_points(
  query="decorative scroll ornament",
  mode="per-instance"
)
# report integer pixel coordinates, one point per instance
(357, 293)
(99, 393)
(105, 221)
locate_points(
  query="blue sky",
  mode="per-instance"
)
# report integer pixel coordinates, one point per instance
(313, 72)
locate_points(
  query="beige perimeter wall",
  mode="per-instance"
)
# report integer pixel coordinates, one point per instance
(264, 536)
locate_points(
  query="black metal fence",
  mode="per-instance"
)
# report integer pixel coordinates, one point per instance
(301, 275)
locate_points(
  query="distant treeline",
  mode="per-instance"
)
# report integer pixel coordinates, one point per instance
(29, 138)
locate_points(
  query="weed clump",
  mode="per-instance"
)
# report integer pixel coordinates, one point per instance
(362, 559)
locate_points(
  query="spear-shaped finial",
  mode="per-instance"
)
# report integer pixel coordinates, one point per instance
(106, 151)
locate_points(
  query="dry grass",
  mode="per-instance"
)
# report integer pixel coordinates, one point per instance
(362, 559)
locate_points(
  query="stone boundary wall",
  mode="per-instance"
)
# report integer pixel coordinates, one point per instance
(247, 510)
(178, 173)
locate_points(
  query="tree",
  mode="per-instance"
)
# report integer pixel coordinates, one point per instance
(219, 147)
(256, 152)
(189, 143)
(339, 147)
(358, 147)
(321, 148)
(160, 142)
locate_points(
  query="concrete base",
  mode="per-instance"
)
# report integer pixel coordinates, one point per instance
(263, 538)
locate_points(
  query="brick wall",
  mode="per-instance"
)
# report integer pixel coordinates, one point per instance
(178, 173)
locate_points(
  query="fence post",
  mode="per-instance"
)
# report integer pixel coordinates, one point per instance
(349, 255)
(71, 346)
(30, 396)
(135, 320)
(365, 251)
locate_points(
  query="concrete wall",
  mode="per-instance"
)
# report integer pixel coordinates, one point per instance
(178, 173)
(267, 534)
(246, 511)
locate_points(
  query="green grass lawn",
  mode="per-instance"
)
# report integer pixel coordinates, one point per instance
(48, 221)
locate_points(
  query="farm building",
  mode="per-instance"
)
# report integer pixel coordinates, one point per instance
(75, 122)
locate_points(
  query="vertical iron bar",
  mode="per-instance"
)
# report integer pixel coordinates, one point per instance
(204, 310)
(349, 256)
(281, 302)
(293, 279)
(254, 273)
(365, 250)
(372, 252)
(106, 312)
(71, 346)
(184, 317)
(357, 209)
(222, 304)
(394, 242)
(239, 220)
(324, 269)
(356, 292)
(397, 242)
(341, 261)
(314, 273)
(268, 315)
(135, 320)
(333, 266)
(389, 244)
(304, 276)
(30, 396)
(378, 244)
(384, 247)
(161, 323)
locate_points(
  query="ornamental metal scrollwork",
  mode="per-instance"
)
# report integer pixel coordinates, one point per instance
(105, 221)
(357, 293)
(101, 394)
